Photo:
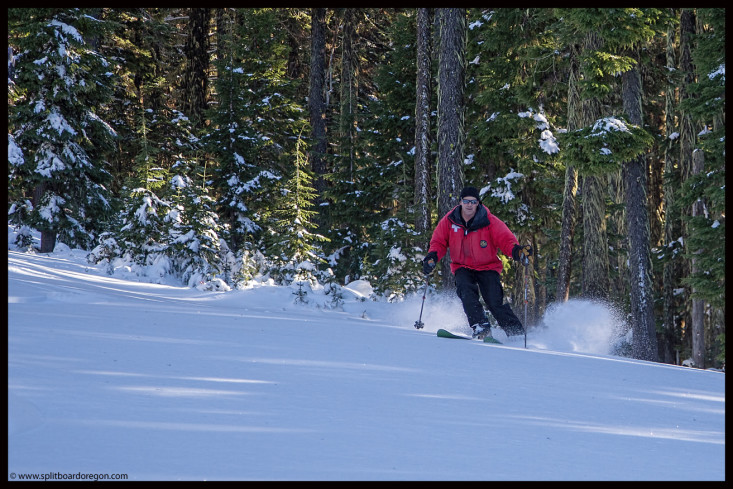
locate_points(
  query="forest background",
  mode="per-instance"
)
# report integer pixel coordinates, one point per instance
(319, 146)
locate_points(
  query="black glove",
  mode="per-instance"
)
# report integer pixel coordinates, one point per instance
(429, 262)
(519, 252)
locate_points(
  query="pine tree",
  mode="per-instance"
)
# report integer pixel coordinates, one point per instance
(194, 241)
(392, 267)
(140, 46)
(362, 196)
(252, 131)
(294, 247)
(667, 256)
(141, 238)
(348, 96)
(61, 85)
(708, 230)
(704, 191)
(143, 231)
(451, 107)
(149, 135)
(512, 151)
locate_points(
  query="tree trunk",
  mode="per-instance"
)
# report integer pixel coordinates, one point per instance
(672, 228)
(594, 188)
(295, 63)
(595, 243)
(451, 81)
(11, 63)
(687, 130)
(644, 345)
(48, 237)
(195, 78)
(316, 97)
(348, 90)
(422, 121)
(451, 135)
(565, 258)
(698, 305)
(619, 284)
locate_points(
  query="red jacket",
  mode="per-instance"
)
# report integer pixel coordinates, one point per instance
(475, 246)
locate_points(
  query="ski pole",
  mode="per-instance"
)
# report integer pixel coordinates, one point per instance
(525, 261)
(419, 324)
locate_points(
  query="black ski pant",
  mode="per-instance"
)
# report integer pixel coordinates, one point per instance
(469, 283)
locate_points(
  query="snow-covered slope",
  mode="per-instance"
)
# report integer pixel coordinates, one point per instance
(107, 375)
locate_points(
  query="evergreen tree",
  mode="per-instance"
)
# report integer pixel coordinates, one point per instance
(252, 131)
(294, 246)
(667, 256)
(348, 88)
(393, 265)
(570, 189)
(137, 48)
(595, 265)
(644, 344)
(139, 235)
(143, 231)
(149, 135)
(194, 241)
(515, 68)
(705, 189)
(707, 231)
(61, 85)
(543, 115)
(193, 226)
(385, 184)
(362, 196)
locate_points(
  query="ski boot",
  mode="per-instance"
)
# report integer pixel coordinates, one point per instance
(481, 331)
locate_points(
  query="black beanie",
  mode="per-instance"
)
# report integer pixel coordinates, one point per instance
(470, 192)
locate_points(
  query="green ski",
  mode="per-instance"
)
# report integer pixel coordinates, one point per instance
(444, 333)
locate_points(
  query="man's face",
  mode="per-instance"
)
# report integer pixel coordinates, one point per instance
(469, 205)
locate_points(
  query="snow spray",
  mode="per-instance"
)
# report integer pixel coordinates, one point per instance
(583, 326)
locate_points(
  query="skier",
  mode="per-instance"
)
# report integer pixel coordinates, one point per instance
(474, 235)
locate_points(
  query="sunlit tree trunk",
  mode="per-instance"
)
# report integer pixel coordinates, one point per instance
(422, 120)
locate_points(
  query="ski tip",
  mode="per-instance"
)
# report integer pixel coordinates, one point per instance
(444, 333)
